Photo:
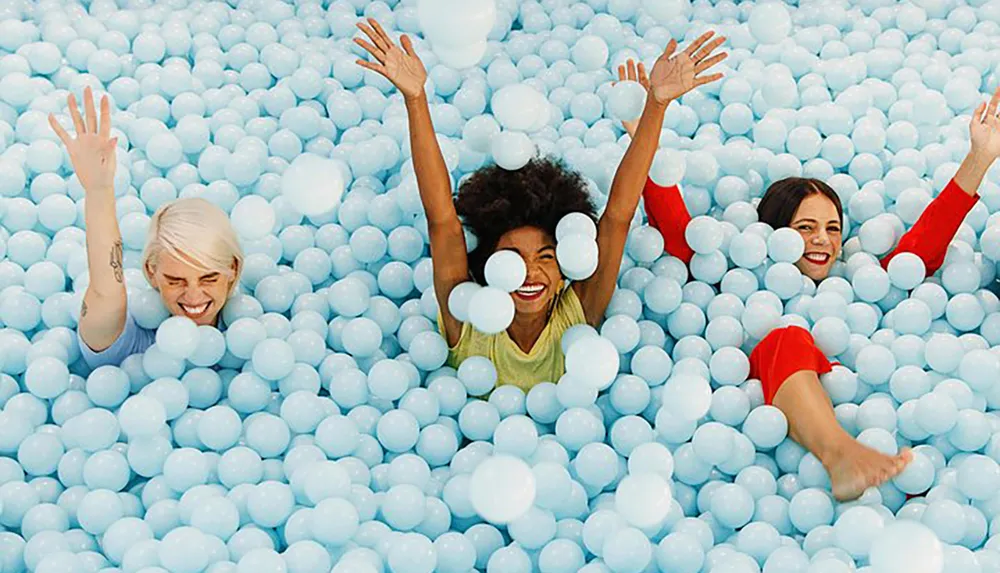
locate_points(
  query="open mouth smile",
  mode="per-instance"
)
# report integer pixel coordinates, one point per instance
(820, 259)
(530, 291)
(195, 311)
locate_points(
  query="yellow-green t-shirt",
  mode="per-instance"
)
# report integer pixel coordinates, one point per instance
(545, 362)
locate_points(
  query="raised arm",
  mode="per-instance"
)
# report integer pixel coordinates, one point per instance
(672, 76)
(984, 148)
(405, 70)
(665, 208)
(937, 225)
(102, 315)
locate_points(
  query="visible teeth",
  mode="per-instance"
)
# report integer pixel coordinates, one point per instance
(531, 289)
(820, 258)
(195, 309)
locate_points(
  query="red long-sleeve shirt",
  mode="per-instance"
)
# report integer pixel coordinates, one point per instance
(791, 349)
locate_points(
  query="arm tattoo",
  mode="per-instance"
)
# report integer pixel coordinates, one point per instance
(116, 261)
(83, 309)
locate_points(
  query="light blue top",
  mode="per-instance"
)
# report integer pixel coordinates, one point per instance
(134, 339)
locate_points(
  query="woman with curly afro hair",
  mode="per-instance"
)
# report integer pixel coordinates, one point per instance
(518, 211)
(494, 201)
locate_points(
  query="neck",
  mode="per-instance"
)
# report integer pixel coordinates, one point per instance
(526, 328)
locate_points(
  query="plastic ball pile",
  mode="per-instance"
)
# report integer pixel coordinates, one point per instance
(321, 431)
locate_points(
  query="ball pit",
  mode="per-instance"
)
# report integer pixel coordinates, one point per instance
(321, 430)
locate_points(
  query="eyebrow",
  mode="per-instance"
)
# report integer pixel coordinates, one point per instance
(811, 220)
(541, 250)
(208, 276)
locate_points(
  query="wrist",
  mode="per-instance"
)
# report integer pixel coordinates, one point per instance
(657, 102)
(979, 160)
(419, 97)
(99, 190)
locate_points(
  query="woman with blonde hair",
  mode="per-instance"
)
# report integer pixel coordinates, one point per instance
(192, 256)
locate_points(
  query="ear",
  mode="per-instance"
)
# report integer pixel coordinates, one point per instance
(150, 275)
(235, 269)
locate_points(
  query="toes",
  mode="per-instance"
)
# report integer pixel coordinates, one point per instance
(902, 461)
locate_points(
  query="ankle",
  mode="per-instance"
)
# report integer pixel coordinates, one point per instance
(831, 452)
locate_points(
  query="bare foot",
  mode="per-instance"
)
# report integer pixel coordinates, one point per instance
(853, 468)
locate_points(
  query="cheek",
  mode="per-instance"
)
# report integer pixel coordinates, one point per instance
(169, 293)
(551, 269)
(219, 291)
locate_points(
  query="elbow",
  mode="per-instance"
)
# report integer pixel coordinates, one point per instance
(104, 286)
(101, 302)
(448, 228)
(613, 220)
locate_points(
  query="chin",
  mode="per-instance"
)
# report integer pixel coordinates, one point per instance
(816, 274)
(207, 320)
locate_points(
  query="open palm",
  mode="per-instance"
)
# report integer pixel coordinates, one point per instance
(402, 67)
(984, 129)
(675, 74)
(92, 151)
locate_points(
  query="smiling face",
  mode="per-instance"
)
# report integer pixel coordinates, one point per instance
(544, 280)
(818, 222)
(190, 291)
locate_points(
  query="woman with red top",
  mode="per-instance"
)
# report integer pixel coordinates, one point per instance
(787, 361)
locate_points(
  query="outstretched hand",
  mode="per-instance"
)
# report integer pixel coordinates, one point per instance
(628, 72)
(675, 74)
(93, 150)
(402, 67)
(984, 129)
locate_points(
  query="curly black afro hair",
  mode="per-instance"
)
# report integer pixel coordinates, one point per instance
(493, 201)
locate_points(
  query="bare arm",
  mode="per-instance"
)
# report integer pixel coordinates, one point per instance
(405, 70)
(102, 315)
(448, 249)
(984, 137)
(672, 76)
(623, 199)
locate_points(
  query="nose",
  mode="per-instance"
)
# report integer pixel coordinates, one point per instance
(533, 271)
(820, 238)
(192, 293)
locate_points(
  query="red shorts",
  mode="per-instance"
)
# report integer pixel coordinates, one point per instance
(783, 352)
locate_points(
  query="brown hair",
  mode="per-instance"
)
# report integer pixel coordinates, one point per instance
(783, 198)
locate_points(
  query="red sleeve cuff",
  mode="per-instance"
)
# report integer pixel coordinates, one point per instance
(667, 213)
(953, 198)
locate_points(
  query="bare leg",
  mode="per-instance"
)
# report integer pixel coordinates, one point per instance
(811, 422)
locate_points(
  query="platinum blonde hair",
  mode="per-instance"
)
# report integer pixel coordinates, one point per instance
(197, 232)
